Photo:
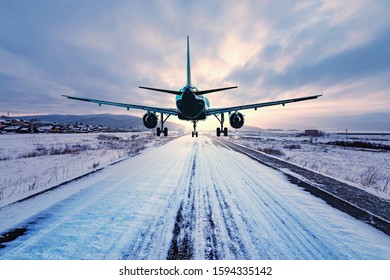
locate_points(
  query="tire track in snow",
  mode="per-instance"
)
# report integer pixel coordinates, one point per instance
(205, 225)
(232, 227)
(182, 247)
(211, 241)
(152, 240)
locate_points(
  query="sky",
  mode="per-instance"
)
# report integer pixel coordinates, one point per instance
(270, 49)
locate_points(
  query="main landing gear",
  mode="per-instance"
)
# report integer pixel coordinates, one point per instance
(221, 129)
(194, 133)
(162, 129)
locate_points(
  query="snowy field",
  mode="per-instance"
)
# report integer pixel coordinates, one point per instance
(365, 168)
(188, 199)
(31, 163)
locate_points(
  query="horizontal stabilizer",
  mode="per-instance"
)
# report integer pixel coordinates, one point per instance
(176, 92)
(201, 92)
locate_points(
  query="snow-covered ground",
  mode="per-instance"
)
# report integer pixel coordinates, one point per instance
(368, 169)
(31, 163)
(187, 199)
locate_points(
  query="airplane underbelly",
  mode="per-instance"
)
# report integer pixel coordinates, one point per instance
(202, 116)
(191, 110)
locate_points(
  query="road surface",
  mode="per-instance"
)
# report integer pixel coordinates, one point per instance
(188, 199)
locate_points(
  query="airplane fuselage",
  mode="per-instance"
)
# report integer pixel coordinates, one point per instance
(190, 105)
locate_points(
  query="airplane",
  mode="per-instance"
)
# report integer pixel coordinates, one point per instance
(192, 105)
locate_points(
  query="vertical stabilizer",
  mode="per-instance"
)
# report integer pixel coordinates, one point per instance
(188, 62)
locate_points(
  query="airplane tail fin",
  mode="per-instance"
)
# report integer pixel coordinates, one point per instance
(188, 62)
(199, 92)
(176, 92)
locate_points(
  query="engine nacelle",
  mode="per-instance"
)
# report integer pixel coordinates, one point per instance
(236, 120)
(150, 120)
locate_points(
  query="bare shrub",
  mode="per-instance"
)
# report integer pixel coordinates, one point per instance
(386, 179)
(318, 166)
(131, 146)
(39, 151)
(135, 148)
(52, 151)
(360, 144)
(303, 162)
(108, 137)
(370, 177)
(292, 147)
(272, 151)
(32, 186)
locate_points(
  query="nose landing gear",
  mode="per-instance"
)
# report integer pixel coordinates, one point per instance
(194, 133)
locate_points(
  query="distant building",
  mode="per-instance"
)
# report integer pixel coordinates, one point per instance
(56, 129)
(312, 132)
(24, 130)
(45, 128)
(12, 128)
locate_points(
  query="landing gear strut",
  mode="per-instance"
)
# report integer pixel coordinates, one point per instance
(221, 129)
(194, 133)
(162, 129)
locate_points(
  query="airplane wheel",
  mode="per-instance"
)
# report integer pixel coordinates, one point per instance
(166, 131)
(218, 132)
(196, 134)
(193, 135)
(158, 131)
(225, 131)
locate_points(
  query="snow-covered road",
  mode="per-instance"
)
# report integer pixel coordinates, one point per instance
(188, 199)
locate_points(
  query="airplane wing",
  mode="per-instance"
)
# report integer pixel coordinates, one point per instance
(168, 111)
(214, 111)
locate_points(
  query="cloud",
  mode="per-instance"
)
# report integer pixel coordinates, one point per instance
(317, 46)
(369, 59)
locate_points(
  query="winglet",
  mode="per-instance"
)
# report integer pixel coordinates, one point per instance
(188, 62)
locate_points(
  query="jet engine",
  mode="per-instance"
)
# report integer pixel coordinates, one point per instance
(236, 120)
(150, 120)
